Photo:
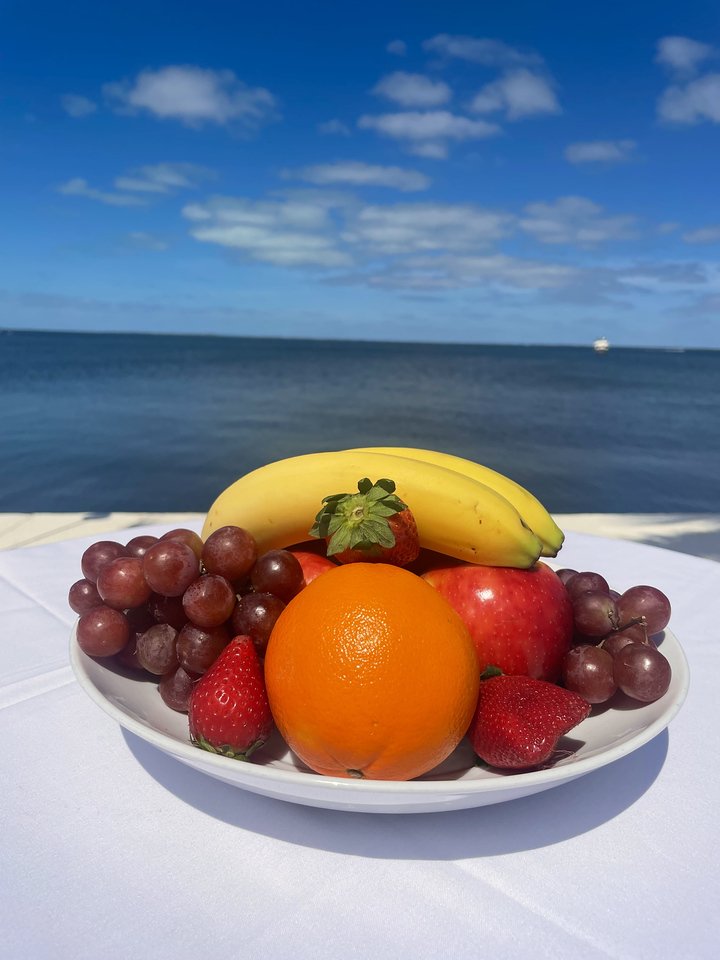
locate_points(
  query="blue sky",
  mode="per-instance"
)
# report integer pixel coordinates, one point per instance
(513, 173)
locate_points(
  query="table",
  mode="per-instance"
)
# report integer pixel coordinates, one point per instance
(112, 849)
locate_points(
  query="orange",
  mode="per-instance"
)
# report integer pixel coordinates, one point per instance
(371, 673)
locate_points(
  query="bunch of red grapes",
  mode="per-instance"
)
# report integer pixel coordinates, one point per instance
(615, 646)
(167, 606)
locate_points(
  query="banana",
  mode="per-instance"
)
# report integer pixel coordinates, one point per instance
(455, 514)
(529, 507)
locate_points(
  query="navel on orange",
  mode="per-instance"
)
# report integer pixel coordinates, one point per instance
(371, 673)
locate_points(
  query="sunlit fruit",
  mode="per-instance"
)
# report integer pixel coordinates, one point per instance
(371, 674)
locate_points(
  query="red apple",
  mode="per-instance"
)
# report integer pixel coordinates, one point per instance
(520, 620)
(313, 564)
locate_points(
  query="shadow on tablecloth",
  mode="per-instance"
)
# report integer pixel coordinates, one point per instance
(528, 823)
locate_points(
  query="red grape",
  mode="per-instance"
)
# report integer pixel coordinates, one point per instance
(588, 670)
(122, 584)
(156, 649)
(176, 687)
(188, 537)
(565, 573)
(584, 581)
(83, 596)
(255, 616)
(277, 572)
(127, 657)
(638, 632)
(140, 621)
(170, 567)
(197, 650)
(209, 601)
(97, 555)
(230, 552)
(139, 546)
(647, 602)
(102, 631)
(616, 641)
(642, 672)
(594, 613)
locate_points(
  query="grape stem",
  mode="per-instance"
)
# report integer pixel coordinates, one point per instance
(634, 621)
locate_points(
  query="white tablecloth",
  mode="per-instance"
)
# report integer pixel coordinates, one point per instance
(111, 849)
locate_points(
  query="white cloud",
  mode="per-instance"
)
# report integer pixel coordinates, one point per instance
(433, 150)
(421, 227)
(681, 54)
(160, 178)
(289, 232)
(397, 47)
(574, 220)
(163, 178)
(79, 187)
(77, 106)
(356, 173)
(426, 246)
(194, 96)
(600, 151)
(428, 132)
(334, 127)
(689, 99)
(709, 234)
(667, 226)
(520, 93)
(489, 53)
(451, 271)
(515, 272)
(413, 90)
(321, 230)
(692, 102)
(661, 276)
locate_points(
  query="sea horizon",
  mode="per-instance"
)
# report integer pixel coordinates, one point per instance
(585, 345)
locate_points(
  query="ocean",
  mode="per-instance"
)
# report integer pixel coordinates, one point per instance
(116, 422)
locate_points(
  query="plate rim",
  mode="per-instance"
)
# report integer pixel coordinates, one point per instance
(417, 789)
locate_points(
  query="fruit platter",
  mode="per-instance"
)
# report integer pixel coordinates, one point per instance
(410, 643)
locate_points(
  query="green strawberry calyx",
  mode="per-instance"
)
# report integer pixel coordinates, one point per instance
(359, 521)
(226, 750)
(491, 671)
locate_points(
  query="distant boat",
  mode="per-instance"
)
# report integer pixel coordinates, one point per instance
(601, 345)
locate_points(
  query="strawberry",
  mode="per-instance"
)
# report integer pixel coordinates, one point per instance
(519, 720)
(229, 711)
(373, 525)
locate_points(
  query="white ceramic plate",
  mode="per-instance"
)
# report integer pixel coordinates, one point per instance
(606, 735)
